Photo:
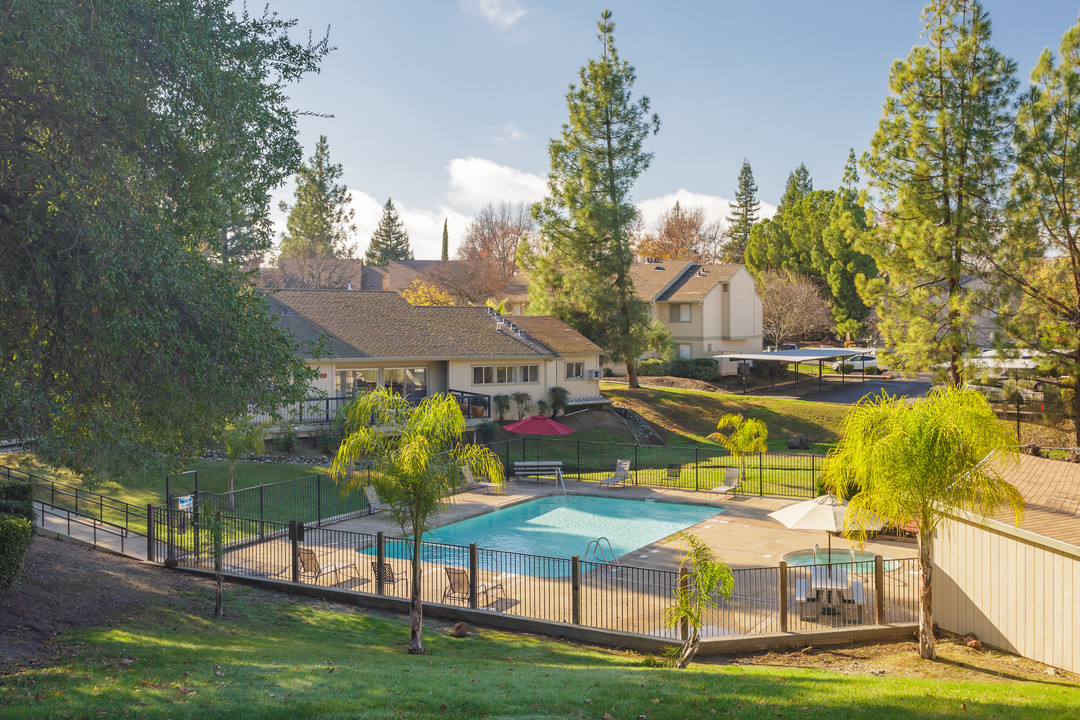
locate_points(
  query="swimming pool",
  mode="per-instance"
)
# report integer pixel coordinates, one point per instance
(557, 528)
(864, 561)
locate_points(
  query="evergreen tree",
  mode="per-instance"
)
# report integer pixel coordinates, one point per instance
(320, 220)
(743, 216)
(445, 242)
(851, 170)
(799, 185)
(937, 163)
(390, 241)
(582, 273)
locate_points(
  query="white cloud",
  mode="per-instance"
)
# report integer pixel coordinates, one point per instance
(475, 182)
(509, 134)
(716, 207)
(500, 13)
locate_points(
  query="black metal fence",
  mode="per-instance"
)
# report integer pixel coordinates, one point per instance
(312, 499)
(94, 506)
(564, 590)
(682, 468)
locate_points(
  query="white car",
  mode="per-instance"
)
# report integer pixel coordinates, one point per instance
(861, 363)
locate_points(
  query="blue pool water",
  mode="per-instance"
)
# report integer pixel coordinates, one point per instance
(864, 561)
(557, 528)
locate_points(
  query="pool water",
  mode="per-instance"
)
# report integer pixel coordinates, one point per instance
(864, 561)
(557, 528)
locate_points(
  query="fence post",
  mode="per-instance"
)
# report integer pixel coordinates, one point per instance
(150, 554)
(575, 590)
(783, 597)
(697, 464)
(813, 480)
(636, 468)
(318, 499)
(579, 460)
(879, 590)
(380, 558)
(506, 456)
(684, 587)
(761, 475)
(294, 542)
(262, 518)
(473, 576)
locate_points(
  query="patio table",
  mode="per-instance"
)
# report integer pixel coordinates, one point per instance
(830, 579)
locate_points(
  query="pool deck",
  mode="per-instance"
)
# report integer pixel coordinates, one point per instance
(742, 536)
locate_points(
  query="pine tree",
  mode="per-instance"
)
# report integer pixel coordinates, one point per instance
(937, 164)
(799, 185)
(320, 221)
(390, 241)
(851, 170)
(743, 216)
(583, 270)
(445, 241)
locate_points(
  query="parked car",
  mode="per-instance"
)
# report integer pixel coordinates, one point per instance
(783, 346)
(860, 363)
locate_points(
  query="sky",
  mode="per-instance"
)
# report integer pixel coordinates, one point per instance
(447, 105)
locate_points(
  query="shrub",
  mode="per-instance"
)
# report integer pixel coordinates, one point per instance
(847, 368)
(694, 368)
(16, 534)
(287, 439)
(17, 498)
(486, 431)
(652, 367)
(329, 440)
(502, 405)
(557, 399)
(523, 401)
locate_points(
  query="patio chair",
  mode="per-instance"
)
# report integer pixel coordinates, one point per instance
(389, 577)
(374, 504)
(622, 474)
(471, 483)
(807, 601)
(674, 472)
(311, 568)
(458, 589)
(732, 475)
(852, 608)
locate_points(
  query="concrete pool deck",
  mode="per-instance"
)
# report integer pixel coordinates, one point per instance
(742, 536)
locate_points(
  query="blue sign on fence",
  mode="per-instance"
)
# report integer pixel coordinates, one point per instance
(185, 502)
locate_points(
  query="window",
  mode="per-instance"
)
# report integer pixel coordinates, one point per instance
(680, 312)
(683, 350)
(348, 383)
(505, 374)
(575, 370)
(410, 383)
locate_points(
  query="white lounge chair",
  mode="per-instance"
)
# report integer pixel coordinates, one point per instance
(732, 476)
(622, 474)
(374, 504)
(471, 483)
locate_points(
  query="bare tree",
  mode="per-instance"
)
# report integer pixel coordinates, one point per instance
(468, 283)
(493, 237)
(313, 274)
(682, 233)
(791, 306)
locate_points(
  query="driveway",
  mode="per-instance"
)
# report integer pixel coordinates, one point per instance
(852, 392)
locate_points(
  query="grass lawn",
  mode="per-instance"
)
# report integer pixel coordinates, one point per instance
(271, 658)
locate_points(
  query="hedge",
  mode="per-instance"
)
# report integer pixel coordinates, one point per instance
(693, 368)
(16, 534)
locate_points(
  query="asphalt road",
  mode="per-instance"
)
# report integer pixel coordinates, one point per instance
(852, 392)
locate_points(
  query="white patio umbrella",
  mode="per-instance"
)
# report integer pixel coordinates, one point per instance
(825, 512)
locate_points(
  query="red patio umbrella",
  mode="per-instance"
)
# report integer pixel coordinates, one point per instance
(539, 425)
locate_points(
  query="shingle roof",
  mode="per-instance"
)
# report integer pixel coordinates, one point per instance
(678, 280)
(1051, 491)
(556, 334)
(358, 324)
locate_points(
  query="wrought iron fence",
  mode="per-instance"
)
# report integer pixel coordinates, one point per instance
(682, 468)
(601, 595)
(95, 506)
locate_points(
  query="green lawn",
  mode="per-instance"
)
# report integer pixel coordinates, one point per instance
(275, 659)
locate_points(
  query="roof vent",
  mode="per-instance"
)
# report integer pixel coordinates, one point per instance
(658, 267)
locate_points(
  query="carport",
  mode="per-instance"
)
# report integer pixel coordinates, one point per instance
(799, 357)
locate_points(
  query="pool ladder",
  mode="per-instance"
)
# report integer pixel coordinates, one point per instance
(596, 548)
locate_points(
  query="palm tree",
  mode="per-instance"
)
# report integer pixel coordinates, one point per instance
(241, 437)
(919, 462)
(416, 452)
(741, 436)
(705, 583)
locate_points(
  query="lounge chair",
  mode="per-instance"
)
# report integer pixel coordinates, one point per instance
(732, 476)
(471, 483)
(852, 608)
(458, 589)
(311, 568)
(809, 606)
(622, 474)
(388, 575)
(374, 504)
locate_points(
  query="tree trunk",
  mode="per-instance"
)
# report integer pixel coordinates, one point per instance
(219, 610)
(1076, 410)
(230, 503)
(416, 606)
(631, 375)
(689, 650)
(926, 605)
